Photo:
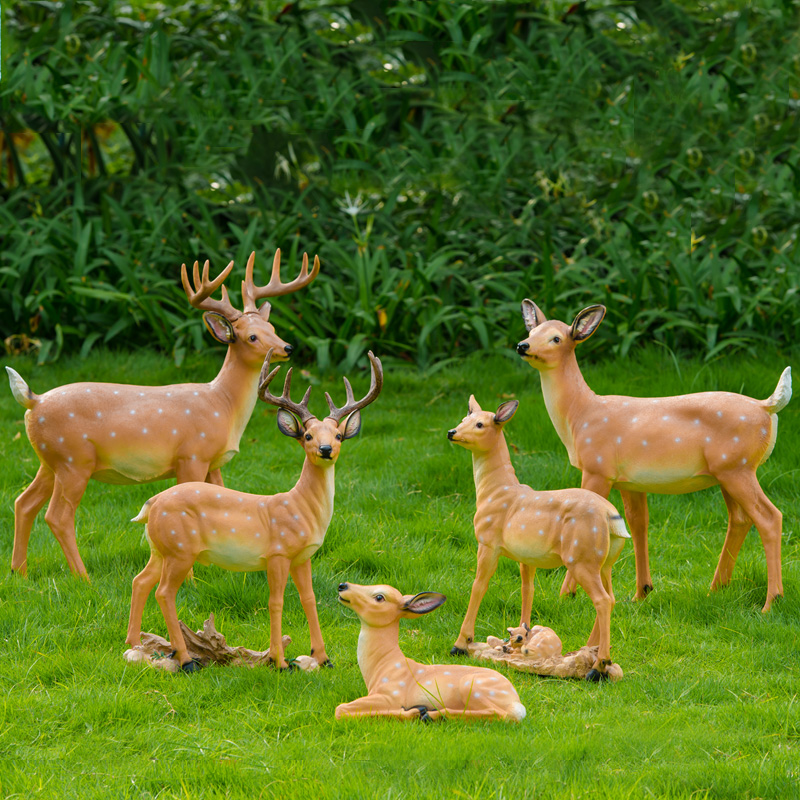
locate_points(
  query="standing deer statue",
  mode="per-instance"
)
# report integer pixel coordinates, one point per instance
(400, 687)
(200, 523)
(117, 433)
(666, 445)
(572, 527)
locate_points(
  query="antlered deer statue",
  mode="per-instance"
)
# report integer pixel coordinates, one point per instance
(197, 522)
(117, 433)
(666, 445)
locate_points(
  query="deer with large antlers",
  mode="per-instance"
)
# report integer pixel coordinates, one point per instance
(666, 445)
(538, 529)
(198, 522)
(117, 433)
(400, 687)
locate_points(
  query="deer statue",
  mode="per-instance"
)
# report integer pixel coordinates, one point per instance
(666, 445)
(202, 523)
(573, 527)
(400, 687)
(538, 642)
(117, 433)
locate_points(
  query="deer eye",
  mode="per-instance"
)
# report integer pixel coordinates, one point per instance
(379, 598)
(339, 436)
(479, 425)
(253, 338)
(308, 437)
(556, 339)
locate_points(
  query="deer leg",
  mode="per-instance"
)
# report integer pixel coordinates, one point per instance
(526, 575)
(172, 575)
(744, 489)
(277, 575)
(376, 705)
(592, 583)
(189, 469)
(143, 584)
(68, 489)
(26, 507)
(635, 504)
(215, 476)
(301, 575)
(738, 526)
(487, 564)
(599, 485)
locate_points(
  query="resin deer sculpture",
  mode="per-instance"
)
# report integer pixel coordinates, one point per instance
(201, 523)
(118, 433)
(666, 445)
(400, 687)
(573, 527)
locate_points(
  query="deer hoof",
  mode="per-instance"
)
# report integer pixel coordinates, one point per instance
(595, 676)
(458, 651)
(423, 713)
(290, 667)
(327, 663)
(191, 666)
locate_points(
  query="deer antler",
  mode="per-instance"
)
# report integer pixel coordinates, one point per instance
(300, 410)
(375, 386)
(251, 292)
(200, 297)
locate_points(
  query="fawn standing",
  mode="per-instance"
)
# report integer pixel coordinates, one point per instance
(400, 687)
(117, 433)
(572, 527)
(198, 522)
(666, 445)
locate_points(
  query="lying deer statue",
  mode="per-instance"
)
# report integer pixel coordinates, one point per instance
(572, 527)
(117, 433)
(400, 687)
(666, 445)
(198, 522)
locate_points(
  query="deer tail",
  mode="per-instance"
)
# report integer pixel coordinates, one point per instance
(21, 391)
(144, 513)
(782, 394)
(616, 527)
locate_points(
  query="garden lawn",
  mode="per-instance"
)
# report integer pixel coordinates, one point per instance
(708, 706)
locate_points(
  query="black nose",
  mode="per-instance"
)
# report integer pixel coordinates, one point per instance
(325, 449)
(451, 434)
(523, 347)
(342, 587)
(289, 349)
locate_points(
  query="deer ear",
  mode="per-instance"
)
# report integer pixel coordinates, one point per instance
(526, 626)
(423, 603)
(587, 322)
(264, 310)
(532, 315)
(506, 411)
(351, 426)
(473, 406)
(219, 327)
(289, 425)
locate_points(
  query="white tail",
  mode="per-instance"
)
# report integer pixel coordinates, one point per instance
(198, 522)
(399, 687)
(117, 433)
(538, 529)
(666, 445)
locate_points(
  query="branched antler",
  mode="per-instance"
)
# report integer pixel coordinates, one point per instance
(375, 386)
(300, 410)
(200, 296)
(275, 288)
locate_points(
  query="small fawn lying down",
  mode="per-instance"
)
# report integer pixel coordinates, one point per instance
(400, 687)
(573, 527)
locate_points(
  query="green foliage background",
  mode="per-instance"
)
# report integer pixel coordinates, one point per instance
(443, 159)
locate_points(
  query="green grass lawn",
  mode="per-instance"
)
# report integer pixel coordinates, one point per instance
(708, 707)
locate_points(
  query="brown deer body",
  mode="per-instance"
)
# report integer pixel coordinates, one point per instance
(118, 433)
(666, 445)
(401, 687)
(200, 523)
(538, 529)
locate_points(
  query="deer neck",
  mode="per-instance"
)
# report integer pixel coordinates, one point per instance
(313, 495)
(566, 395)
(236, 391)
(379, 654)
(491, 469)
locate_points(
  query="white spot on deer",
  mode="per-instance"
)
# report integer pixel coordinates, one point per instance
(677, 438)
(605, 419)
(286, 502)
(585, 424)
(214, 531)
(480, 539)
(401, 683)
(169, 394)
(619, 440)
(218, 495)
(194, 532)
(477, 694)
(133, 411)
(665, 417)
(594, 530)
(743, 418)
(273, 520)
(522, 510)
(735, 438)
(183, 514)
(283, 533)
(69, 458)
(697, 422)
(195, 393)
(724, 456)
(202, 434)
(719, 413)
(202, 513)
(558, 517)
(588, 440)
(72, 413)
(85, 436)
(384, 680)
(599, 459)
(115, 392)
(522, 527)
(160, 410)
(278, 547)
(174, 431)
(488, 519)
(708, 438)
(505, 488)
(180, 544)
(600, 552)
(644, 442)
(188, 411)
(505, 505)
(113, 434)
(635, 419)
(194, 457)
(144, 430)
(172, 532)
(541, 532)
(88, 391)
(233, 530)
(625, 403)
(295, 516)
(41, 419)
(450, 686)
(575, 542)
(302, 534)
(744, 461)
(550, 500)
